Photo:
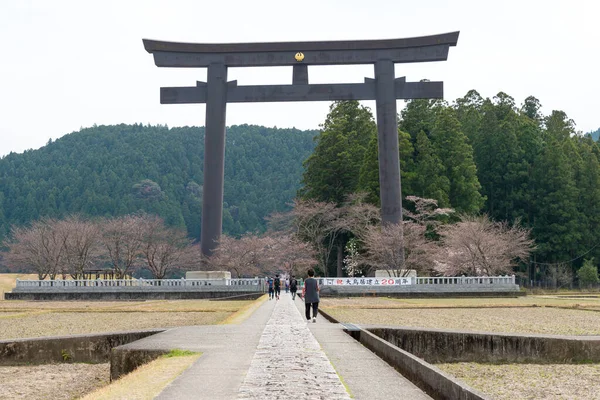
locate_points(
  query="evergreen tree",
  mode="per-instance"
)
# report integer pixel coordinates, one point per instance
(430, 179)
(332, 172)
(451, 145)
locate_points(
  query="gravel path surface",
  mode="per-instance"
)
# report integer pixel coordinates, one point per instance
(289, 360)
(52, 381)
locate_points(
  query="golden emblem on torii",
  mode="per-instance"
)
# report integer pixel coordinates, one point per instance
(299, 56)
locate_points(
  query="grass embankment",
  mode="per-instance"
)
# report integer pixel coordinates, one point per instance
(148, 380)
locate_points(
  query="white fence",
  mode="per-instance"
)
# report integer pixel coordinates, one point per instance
(407, 281)
(259, 284)
(124, 284)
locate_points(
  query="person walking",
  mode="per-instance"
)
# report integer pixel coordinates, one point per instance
(277, 286)
(310, 293)
(271, 288)
(293, 287)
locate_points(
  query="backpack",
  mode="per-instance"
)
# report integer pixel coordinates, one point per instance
(293, 284)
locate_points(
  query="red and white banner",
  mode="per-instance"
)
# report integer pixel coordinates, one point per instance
(365, 281)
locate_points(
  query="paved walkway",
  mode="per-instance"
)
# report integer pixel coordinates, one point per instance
(276, 354)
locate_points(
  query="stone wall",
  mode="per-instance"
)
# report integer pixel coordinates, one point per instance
(432, 380)
(92, 348)
(440, 346)
(121, 294)
(423, 291)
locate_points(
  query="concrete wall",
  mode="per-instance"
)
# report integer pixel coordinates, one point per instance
(62, 295)
(447, 346)
(425, 291)
(124, 361)
(94, 348)
(432, 380)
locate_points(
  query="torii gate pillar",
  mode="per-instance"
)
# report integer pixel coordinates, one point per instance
(385, 89)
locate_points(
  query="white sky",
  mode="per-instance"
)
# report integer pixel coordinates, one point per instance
(66, 64)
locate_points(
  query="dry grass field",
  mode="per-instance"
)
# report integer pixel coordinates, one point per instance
(26, 319)
(552, 315)
(530, 381)
(52, 381)
(568, 314)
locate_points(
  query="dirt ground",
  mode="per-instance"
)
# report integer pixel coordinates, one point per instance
(530, 381)
(52, 381)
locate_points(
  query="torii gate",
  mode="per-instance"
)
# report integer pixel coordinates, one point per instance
(385, 89)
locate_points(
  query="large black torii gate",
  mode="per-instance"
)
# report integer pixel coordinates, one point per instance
(385, 89)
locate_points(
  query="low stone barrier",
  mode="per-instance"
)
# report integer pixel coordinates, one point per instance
(427, 377)
(89, 348)
(442, 346)
(421, 291)
(124, 361)
(119, 294)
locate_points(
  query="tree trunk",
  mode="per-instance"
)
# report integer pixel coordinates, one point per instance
(340, 260)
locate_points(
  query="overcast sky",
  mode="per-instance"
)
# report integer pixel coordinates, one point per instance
(67, 64)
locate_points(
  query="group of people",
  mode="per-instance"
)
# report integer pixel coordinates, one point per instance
(310, 292)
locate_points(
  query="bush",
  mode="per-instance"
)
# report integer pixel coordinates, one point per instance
(588, 274)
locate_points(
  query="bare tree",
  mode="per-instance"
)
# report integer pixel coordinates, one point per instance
(165, 249)
(478, 246)
(122, 240)
(561, 275)
(250, 255)
(40, 247)
(82, 245)
(397, 248)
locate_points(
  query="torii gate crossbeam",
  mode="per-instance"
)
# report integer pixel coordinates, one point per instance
(385, 89)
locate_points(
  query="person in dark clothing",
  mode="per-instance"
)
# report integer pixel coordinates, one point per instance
(310, 293)
(270, 282)
(277, 286)
(293, 287)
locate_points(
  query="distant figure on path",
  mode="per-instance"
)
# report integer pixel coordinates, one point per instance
(293, 287)
(277, 286)
(310, 292)
(287, 285)
(271, 288)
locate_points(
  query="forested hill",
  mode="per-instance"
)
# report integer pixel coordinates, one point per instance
(116, 170)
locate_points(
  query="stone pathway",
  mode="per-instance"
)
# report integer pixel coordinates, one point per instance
(289, 360)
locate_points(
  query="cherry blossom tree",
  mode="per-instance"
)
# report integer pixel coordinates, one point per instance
(478, 246)
(250, 255)
(292, 255)
(398, 248)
